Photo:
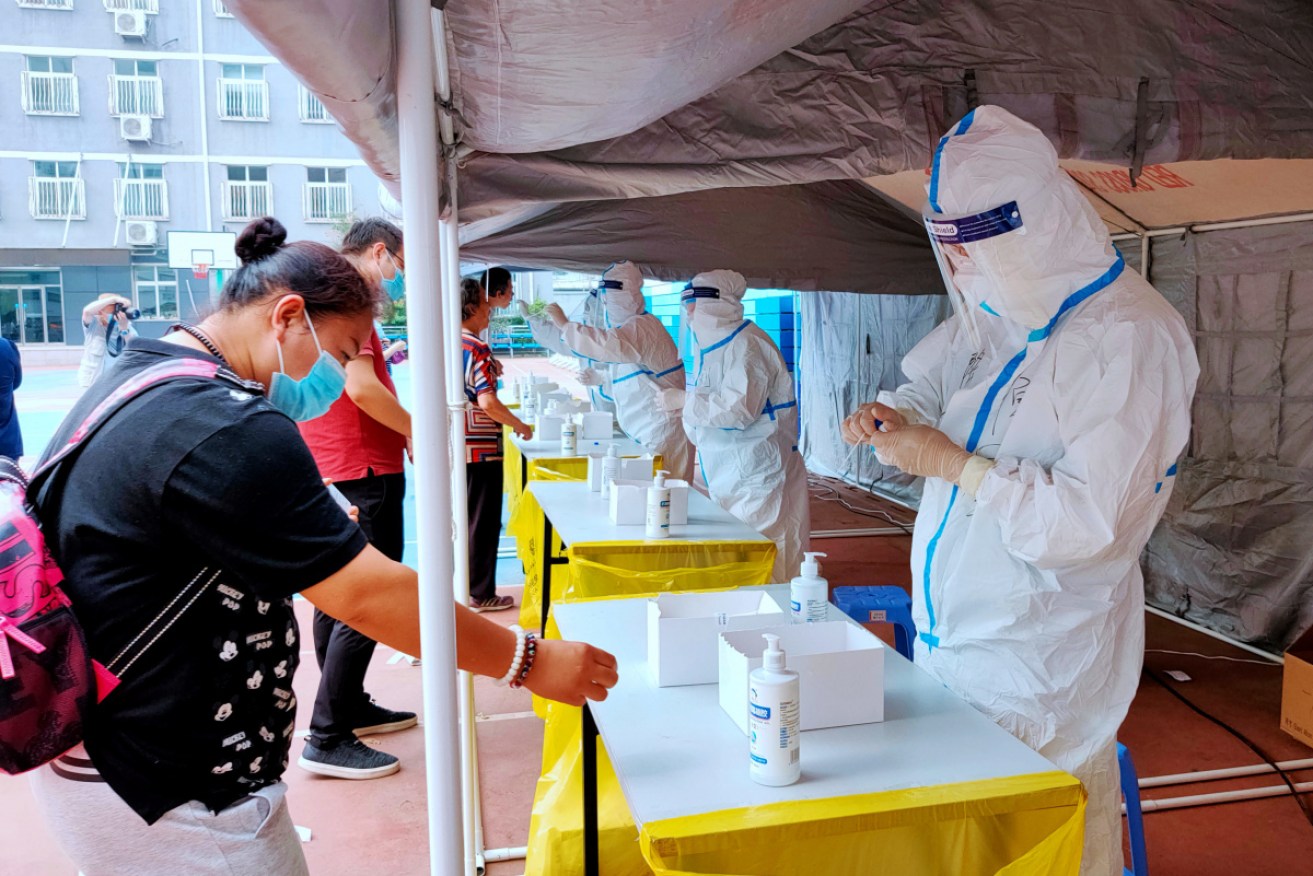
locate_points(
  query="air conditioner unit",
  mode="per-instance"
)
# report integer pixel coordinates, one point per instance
(137, 128)
(142, 233)
(130, 24)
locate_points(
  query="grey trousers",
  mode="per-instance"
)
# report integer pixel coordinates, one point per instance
(102, 836)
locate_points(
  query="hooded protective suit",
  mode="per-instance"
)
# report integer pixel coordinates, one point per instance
(741, 414)
(550, 338)
(638, 360)
(1075, 377)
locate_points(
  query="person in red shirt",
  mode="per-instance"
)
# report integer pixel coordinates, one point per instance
(361, 445)
(484, 417)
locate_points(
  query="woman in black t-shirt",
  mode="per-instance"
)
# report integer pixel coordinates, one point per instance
(203, 486)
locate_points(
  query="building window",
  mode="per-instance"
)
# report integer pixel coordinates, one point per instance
(46, 4)
(243, 93)
(156, 291)
(312, 108)
(247, 193)
(151, 6)
(50, 87)
(135, 88)
(327, 194)
(140, 192)
(56, 191)
(221, 10)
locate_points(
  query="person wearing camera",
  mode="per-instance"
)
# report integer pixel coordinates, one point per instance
(107, 323)
(181, 769)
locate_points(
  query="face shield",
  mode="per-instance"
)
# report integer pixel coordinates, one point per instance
(972, 252)
(604, 319)
(688, 301)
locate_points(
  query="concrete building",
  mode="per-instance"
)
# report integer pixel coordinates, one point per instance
(121, 120)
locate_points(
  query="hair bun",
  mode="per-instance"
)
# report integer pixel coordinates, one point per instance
(261, 238)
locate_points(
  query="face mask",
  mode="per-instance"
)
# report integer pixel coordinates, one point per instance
(396, 286)
(312, 395)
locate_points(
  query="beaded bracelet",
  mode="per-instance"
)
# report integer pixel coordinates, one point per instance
(521, 640)
(530, 651)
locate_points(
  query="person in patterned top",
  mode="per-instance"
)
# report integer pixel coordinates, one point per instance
(204, 480)
(484, 417)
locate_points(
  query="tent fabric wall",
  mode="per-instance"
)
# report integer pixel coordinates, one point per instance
(1235, 550)
(852, 347)
(830, 235)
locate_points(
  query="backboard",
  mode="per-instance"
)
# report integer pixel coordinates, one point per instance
(216, 249)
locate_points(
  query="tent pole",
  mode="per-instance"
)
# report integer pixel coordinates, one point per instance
(417, 126)
(1288, 219)
(449, 225)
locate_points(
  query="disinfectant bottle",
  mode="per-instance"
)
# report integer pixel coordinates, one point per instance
(569, 436)
(809, 594)
(774, 717)
(610, 469)
(658, 507)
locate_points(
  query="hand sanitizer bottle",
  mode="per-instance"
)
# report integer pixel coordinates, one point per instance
(569, 437)
(809, 593)
(658, 507)
(774, 717)
(610, 469)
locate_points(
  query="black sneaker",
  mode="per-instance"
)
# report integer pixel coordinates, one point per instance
(374, 719)
(350, 760)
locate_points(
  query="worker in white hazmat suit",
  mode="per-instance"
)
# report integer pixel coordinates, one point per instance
(549, 337)
(741, 414)
(635, 356)
(1047, 417)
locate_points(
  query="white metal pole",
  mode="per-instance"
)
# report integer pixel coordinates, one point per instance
(455, 397)
(1257, 769)
(417, 126)
(1223, 797)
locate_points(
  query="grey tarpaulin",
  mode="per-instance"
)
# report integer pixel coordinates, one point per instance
(637, 98)
(837, 235)
(1235, 550)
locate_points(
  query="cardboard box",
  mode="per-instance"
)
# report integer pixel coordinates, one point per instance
(683, 631)
(637, 468)
(595, 425)
(629, 500)
(548, 428)
(840, 668)
(1297, 690)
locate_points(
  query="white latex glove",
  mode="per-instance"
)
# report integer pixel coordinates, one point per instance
(556, 315)
(867, 420)
(672, 399)
(590, 377)
(924, 451)
(523, 308)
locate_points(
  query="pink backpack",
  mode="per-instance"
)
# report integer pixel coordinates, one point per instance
(48, 680)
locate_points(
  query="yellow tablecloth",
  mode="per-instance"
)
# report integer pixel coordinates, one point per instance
(1029, 825)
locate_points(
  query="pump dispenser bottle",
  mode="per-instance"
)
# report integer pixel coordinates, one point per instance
(658, 507)
(774, 716)
(809, 593)
(610, 469)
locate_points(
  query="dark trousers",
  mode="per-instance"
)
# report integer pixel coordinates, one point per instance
(483, 483)
(343, 653)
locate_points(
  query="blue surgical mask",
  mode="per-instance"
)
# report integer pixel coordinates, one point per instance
(312, 395)
(396, 286)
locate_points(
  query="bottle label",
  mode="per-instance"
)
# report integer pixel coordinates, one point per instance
(761, 713)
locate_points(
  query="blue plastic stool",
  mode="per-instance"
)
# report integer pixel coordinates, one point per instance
(875, 603)
(1134, 817)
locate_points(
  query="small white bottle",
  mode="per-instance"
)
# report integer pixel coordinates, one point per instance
(809, 593)
(774, 717)
(658, 507)
(528, 407)
(569, 437)
(610, 469)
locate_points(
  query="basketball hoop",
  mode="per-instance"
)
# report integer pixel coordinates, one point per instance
(200, 270)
